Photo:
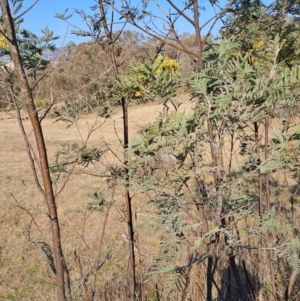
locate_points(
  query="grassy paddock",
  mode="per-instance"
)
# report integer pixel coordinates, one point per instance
(23, 272)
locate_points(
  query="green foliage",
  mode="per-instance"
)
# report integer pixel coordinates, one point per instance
(205, 186)
(257, 24)
(98, 203)
(72, 153)
(42, 102)
(269, 223)
(149, 81)
(32, 47)
(70, 114)
(166, 158)
(232, 92)
(291, 252)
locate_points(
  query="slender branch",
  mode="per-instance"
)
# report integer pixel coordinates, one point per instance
(29, 154)
(102, 236)
(66, 181)
(27, 10)
(162, 39)
(181, 12)
(216, 16)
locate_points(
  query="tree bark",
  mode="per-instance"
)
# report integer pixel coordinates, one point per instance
(132, 266)
(27, 96)
(198, 36)
(132, 278)
(288, 291)
(260, 212)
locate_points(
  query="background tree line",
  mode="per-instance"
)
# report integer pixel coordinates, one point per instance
(77, 68)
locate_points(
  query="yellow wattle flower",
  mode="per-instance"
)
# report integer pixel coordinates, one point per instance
(258, 44)
(165, 63)
(3, 42)
(38, 56)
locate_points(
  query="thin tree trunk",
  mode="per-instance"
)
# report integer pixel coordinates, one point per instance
(212, 151)
(288, 291)
(125, 102)
(79, 269)
(266, 157)
(39, 137)
(108, 34)
(272, 270)
(248, 279)
(132, 278)
(209, 278)
(260, 212)
(260, 203)
(198, 36)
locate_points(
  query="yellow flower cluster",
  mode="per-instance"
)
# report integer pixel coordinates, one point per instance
(144, 76)
(139, 68)
(258, 44)
(38, 56)
(2, 42)
(166, 63)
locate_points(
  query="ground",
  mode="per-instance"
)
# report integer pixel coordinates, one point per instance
(23, 216)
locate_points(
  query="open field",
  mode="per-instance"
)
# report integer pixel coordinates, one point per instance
(15, 171)
(23, 219)
(24, 223)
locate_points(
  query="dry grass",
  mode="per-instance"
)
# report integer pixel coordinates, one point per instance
(23, 273)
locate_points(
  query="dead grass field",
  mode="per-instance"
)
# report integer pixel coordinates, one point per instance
(23, 275)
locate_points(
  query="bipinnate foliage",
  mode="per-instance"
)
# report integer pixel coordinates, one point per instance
(31, 47)
(151, 81)
(71, 154)
(290, 252)
(170, 165)
(218, 199)
(98, 202)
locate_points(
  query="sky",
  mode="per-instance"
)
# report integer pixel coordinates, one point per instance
(43, 14)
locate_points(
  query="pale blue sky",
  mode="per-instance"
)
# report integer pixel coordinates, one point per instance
(43, 14)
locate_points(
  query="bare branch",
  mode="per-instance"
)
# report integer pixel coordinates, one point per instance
(181, 12)
(27, 10)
